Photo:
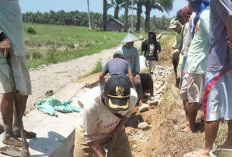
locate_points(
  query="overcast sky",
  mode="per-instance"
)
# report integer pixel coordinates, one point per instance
(81, 5)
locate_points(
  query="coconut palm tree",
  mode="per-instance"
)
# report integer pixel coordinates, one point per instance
(126, 7)
(117, 5)
(139, 4)
(161, 5)
(89, 15)
(104, 14)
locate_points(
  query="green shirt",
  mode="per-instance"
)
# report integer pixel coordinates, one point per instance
(12, 25)
(198, 51)
(132, 56)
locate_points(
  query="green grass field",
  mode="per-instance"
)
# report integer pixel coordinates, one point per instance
(53, 43)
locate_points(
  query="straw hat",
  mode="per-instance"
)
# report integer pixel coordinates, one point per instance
(174, 23)
(129, 38)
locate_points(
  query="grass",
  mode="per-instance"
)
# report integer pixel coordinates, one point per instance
(97, 69)
(53, 43)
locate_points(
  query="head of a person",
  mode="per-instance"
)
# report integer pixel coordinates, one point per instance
(151, 35)
(141, 38)
(186, 13)
(198, 5)
(175, 25)
(129, 44)
(118, 55)
(117, 94)
(179, 17)
(129, 40)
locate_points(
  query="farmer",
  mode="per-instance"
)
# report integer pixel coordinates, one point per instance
(196, 63)
(12, 45)
(131, 54)
(149, 47)
(103, 118)
(176, 26)
(117, 66)
(217, 97)
(184, 20)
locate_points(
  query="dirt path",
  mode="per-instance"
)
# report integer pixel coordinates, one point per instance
(56, 76)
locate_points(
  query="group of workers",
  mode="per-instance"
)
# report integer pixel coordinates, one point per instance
(107, 107)
(202, 60)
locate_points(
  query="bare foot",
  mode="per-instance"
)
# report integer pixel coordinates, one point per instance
(198, 153)
(12, 141)
(188, 130)
(29, 135)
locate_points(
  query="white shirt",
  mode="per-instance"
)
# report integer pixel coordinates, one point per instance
(97, 121)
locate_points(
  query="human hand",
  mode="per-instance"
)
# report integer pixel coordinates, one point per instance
(229, 44)
(5, 47)
(137, 76)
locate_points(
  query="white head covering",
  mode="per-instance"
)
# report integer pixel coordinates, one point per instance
(129, 38)
(174, 23)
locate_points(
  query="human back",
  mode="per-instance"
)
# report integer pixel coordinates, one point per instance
(117, 66)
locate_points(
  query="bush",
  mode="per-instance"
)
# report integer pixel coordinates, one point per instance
(50, 56)
(32, 55)
(31, 30)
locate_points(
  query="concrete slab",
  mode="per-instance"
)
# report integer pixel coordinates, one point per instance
(52, 133)
(55, 135)
(69, 91)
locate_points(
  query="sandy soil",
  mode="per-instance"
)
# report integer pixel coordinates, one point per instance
(56, 76)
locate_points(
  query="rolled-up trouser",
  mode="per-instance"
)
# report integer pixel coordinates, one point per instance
(120, 148)
(151, 65)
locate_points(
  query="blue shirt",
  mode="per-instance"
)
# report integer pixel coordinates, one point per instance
(132, 56)
(117, 66)
(220, 56)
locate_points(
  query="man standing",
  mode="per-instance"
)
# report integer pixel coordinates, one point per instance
(12, 46)
(176, 26)
(217, 97)
(196, 63)
(131, 54)
(150, 47)
(102, 120)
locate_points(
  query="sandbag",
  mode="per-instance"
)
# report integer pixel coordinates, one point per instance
(143, 66)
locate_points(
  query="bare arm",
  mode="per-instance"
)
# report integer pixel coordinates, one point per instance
(118, 128)
(131, 78)
(96, 148)
(101, 77)
(228, 24)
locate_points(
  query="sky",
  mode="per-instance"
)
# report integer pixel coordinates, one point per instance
(81, 5)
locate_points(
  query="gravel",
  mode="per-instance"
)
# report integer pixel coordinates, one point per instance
(55, 76)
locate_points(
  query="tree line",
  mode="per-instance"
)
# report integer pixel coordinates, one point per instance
(137, 5)
(76, 18)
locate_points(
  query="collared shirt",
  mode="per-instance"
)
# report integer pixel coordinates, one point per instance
(12, 25)
(97, 122)
(117, 66)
